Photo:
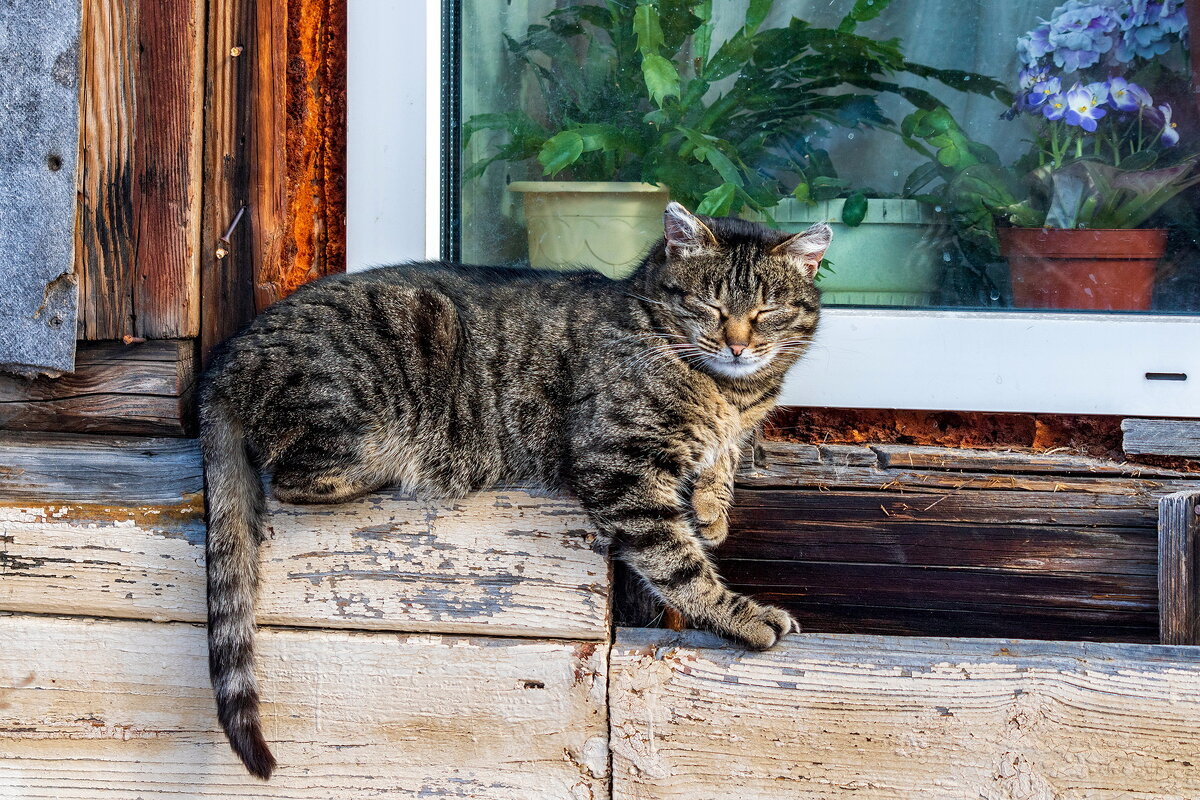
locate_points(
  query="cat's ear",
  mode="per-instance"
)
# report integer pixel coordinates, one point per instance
(686, 234)
(806, 249)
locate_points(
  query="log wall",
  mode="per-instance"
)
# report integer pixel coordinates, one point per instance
(903, 539)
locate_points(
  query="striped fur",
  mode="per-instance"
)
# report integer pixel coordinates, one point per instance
(635, 395)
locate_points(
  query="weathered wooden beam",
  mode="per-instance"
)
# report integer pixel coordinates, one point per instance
(139, 389)
(101, 709)
(226, 252)
(877, 718)
(277, 132)
(167, 154)
(805, 466)
(138, 246)
(118, 531)
(1179, 568)
(1161, 437)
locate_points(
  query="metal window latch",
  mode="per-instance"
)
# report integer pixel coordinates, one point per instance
(223, 244)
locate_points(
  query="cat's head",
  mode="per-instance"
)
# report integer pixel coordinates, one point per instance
(733, 297)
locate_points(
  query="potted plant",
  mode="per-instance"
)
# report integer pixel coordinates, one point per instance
(1103, 161)
(637, 94)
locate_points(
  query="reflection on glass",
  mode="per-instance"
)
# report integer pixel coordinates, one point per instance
(971, 154)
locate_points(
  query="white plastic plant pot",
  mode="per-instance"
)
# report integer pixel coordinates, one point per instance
(607, 226)
(888, 260)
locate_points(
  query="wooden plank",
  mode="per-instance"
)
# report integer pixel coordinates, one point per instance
(877, 718)
(1019, 461)
(1053, 548)
(1179, 568)
(979, 507)
(1054, 624)
(1161, 437)
(316, 149)
(902, 586)
(167, 168)
(135, 389)
(899, 479)
(121, 710)
(71, 470)
(118, 531)
(107, 229)
(140, 202)
(226, 283)
(39, 139)
(266, 104)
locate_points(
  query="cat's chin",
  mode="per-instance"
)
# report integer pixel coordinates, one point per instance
(735, 369)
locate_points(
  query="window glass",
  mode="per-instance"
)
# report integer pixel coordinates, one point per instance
(971, 154)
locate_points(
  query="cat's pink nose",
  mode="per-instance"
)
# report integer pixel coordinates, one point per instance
(736, 349)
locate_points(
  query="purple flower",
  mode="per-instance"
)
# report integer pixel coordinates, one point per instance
(1170, 136)
(1035, 45)
(1126, 96)
(1055, 106)
(1146, 27)
(1080, 34)
(1083, 106)
(1042, 91)
(1031, 76)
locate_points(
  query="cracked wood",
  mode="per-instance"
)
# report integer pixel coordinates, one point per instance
(92, 526)
(877, 718)
(107, 709)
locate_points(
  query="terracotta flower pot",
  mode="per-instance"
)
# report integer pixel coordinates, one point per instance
(1094, 270)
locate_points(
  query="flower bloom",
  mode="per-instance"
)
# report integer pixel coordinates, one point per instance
(1055, 106)
(1035, 45)
(1080, 34)
(1043, 90)
(1126, 96)
(1170, 135)
(1083, 106)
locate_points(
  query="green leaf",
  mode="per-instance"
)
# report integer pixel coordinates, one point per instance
(863, 10)
(647, 27)
(662, 79)
(718, 201)
(702, 39)
(854, 211)
(919, 177)
(560, 151)
(801, 193)
(730, 57)
(756, 12)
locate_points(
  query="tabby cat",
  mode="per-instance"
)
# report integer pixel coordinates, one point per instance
(635, 395)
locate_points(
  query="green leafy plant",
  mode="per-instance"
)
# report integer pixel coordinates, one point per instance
(641, 92)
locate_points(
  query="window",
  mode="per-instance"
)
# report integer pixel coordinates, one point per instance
(902, 135)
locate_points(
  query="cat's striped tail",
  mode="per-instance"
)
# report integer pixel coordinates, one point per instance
(234, 505)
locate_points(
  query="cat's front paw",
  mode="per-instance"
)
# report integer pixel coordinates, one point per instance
(760, 627)
(714, 532)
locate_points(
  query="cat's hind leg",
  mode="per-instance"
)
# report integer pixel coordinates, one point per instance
(320, 469)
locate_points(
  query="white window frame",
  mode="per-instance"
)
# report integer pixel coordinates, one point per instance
(863, 358)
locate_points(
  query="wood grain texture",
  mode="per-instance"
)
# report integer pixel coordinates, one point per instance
(119, 532)
(1161, 437)
(167, 169)
(276, 128)
(1179, 568)
(142, 144)
(879, 718)
(226, 284)
(116, 388)
(121, 710)
(107, 226)
(942, 541)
